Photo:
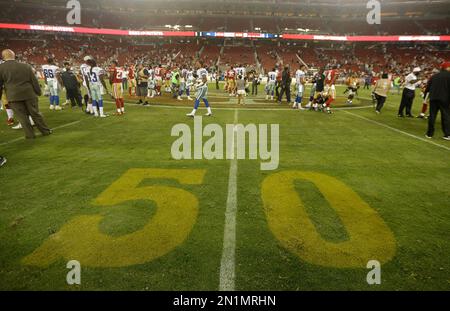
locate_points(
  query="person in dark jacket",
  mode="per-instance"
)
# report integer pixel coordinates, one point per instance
(23, 89)
(72, 86)
(439, 88)
(285, 85)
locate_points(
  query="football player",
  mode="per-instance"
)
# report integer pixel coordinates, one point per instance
(300, 86)
(231, 74)
(190, 81)
(53, 81)
(96, 82)
(202, 94)
(352, 88)
(131, 81)
(115, 78)
(151, 86)
(84, 72)
(330, 87)
(271, 81)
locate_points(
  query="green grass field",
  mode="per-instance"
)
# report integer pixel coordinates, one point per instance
(350, 187)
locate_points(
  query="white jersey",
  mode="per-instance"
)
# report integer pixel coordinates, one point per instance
(184, 75)
(201, 73)
(408, 82)
(272, 77)
(84, 70)
(190, 78)
(50, 72)
(94, 76)
(241, 71)
(299, 76)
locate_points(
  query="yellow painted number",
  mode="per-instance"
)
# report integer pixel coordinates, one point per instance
(82, 240)
(369, 236)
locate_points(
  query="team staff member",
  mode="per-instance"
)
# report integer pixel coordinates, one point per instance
(142, 76)
(440, 100)
(23, 90)
(409, 93)
(285, 85)
(72, 85)
(381, 91)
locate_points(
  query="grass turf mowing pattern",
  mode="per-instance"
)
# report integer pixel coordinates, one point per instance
(49, 181)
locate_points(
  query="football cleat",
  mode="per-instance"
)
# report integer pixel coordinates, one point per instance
(209, 114)
(446, 138)
(58, 108)
(10, 121)
(17, 127)
(52, 107)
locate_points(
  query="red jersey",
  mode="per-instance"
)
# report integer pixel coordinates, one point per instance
(331, 76)
(231, 74)
(117, 75)
(157, 71)
(130, 73)
(279, 75)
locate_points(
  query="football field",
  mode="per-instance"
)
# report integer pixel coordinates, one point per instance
(350, 187)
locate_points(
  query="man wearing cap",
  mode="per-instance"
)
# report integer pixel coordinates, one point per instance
(439, 88)
(409, 93)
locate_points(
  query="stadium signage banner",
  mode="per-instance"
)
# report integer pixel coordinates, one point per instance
(151, 33)
(237, 35)
(98, 31)
(365, 38)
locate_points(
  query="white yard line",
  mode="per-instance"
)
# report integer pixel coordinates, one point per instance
(55, 128)
(240, 108)
(400, 131)
(228, 262)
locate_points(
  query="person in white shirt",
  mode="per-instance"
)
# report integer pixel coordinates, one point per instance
(271, 81)
(96, 82)
(84, 72)
(409, 93)
(53, 82)
(300, 86)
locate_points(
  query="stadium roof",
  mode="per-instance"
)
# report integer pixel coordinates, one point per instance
(336, 9)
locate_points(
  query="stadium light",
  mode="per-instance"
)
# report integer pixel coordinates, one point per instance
(188, 26)
(257, 28)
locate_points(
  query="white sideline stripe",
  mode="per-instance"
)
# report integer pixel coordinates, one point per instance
(55, 128)
(242, 109)
(399, 131)
(227, 264)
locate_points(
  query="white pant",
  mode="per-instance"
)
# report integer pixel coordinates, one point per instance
(53, 87)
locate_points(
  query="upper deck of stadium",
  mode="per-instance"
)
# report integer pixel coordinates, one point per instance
(339, 17)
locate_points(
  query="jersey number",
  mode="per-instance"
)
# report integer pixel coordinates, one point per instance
(48, 74)
(93, 77)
